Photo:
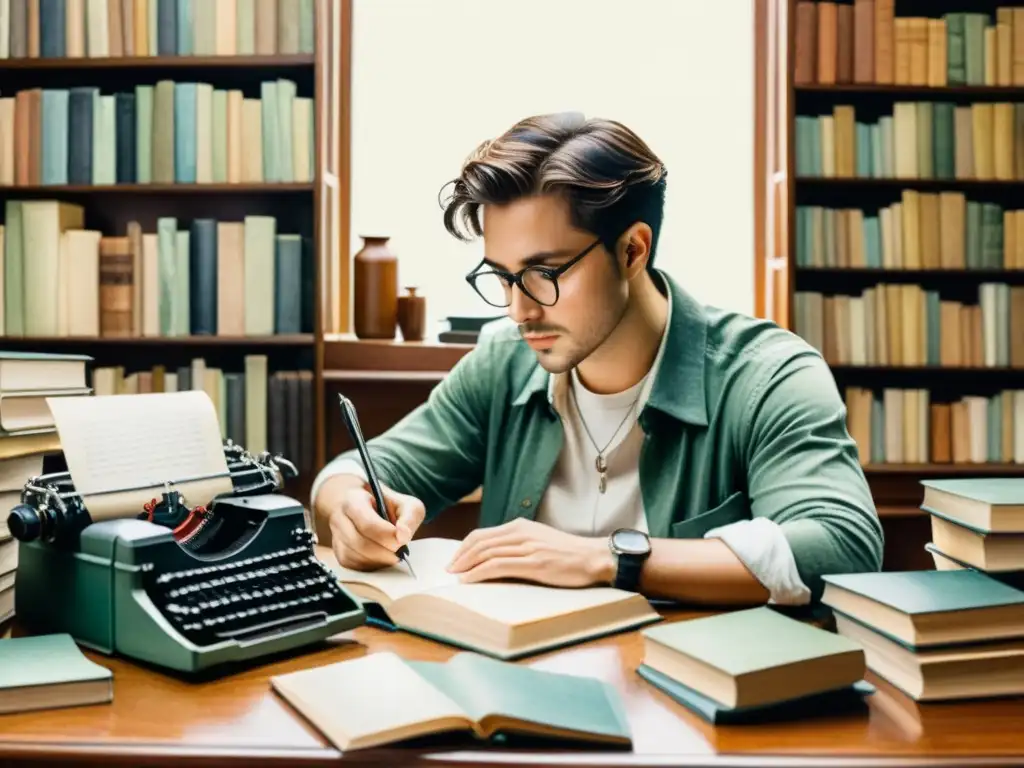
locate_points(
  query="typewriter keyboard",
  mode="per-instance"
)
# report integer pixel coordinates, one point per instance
(248, 598)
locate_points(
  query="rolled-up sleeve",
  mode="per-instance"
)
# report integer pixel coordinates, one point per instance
(803, 470)
(437, 451)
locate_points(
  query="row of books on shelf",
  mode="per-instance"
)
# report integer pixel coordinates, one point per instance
(908, 426)
(921, 230)
(198, 277)
(167, 133)
(918, 140)
(907, 325)
(101, 28)
(259, 409)
(866, 42)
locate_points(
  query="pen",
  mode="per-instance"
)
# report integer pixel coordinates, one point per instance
(348, 411)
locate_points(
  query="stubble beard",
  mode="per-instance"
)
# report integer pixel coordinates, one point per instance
(554, 362)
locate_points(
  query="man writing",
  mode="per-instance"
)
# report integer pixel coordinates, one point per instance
(623, 433)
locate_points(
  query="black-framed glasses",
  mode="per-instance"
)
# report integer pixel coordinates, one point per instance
(538, 282)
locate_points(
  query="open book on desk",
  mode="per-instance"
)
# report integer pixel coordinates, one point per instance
(501, 619)
(380, 699)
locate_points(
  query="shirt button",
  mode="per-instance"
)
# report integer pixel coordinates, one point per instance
(525, 503)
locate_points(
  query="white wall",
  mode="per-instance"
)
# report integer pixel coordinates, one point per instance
(432, 78)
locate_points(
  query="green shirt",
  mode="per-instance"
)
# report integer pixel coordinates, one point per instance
(743, 420)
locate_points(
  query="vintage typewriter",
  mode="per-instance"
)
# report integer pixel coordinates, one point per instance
(183, 588)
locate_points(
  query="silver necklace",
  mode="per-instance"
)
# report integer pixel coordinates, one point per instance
(599, 463)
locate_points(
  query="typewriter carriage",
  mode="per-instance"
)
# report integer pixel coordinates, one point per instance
(51, 509)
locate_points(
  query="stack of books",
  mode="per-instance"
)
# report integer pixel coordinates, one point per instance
(754, 665)
(27, 435)
(956, 632)
(977, 523)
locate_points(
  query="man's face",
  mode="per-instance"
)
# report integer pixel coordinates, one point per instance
(592, 295)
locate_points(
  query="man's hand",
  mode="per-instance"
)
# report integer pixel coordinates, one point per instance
(360, 537)
(528, 550)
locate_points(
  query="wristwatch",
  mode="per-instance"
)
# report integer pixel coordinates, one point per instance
(632, 547)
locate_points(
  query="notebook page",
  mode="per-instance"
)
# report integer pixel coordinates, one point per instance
(116, 442)
(429, 557)
(521, 603)
(369, 700)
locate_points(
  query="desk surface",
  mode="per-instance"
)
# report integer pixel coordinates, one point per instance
(158, 719)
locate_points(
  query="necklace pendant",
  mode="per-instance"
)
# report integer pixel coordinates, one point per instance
(599, 464)
(602, 483)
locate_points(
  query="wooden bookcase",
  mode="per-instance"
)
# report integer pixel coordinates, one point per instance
(316, 209)
(873, 75)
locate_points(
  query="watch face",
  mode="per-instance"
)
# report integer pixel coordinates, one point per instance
(630, 542)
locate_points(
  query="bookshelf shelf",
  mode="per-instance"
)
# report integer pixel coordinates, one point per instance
(300, 339)
(942, 470)
(241, 188)
(275, 61)
(930, 91)
(909, 274)
(881, 241)
(909, 183)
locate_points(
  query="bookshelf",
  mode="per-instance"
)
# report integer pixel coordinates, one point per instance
(174, 192)
(890, 167)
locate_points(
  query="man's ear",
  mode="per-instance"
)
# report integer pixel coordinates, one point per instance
(635, 247)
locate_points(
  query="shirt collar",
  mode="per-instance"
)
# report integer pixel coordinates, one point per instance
(675, 385)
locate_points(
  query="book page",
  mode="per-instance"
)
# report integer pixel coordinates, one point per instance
(122, 449)
(369, 700)
(429, 558)
(516, 603)
(518, 695)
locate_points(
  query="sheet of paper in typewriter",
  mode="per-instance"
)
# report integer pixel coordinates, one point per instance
(140, 442)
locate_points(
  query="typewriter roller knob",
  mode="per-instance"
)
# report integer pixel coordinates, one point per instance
(24, 523)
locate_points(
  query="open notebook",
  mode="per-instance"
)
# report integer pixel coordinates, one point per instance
(502, 619)
(382, 699)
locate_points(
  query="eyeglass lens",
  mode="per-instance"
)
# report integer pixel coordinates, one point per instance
(497, 291)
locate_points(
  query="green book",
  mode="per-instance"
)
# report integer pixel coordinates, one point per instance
(144, 133)
(925, 132)
(988, 504)
(921, 609)
(753, 657)
(974, 47)
(380, 698)
(167, 270)
(245, 27)
(49, 671)
(270, 126)
(956, 48)
(104, 138)
(286, 90)
(219, 133)
(839, 701)
(307, 17)
(182, 292)
(944, 140)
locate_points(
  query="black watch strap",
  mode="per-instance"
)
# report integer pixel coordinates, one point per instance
(627, 575)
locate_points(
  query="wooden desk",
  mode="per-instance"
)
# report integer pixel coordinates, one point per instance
(157, 719)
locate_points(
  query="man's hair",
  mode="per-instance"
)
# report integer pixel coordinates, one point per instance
(608, 175)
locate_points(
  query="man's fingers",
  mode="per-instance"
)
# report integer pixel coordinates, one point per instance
(496, 551)
(369, 524)
(498, 568)
(409, 513)
(354, 550)
(476, 549)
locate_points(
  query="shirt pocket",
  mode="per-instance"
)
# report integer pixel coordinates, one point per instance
(732, 510)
